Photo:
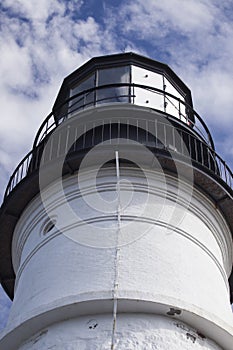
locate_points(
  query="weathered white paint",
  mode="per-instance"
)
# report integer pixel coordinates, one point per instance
(163, 264)
(133, 331)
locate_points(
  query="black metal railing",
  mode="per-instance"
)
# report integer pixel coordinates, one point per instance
(164, 136)
(172, 106)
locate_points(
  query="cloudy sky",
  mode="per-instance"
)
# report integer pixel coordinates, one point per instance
(42, 41)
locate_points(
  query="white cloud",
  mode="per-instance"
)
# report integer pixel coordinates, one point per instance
(35, 10)
(188, 16)
(151, 19)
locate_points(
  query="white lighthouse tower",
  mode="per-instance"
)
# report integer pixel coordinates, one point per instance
(116, 228)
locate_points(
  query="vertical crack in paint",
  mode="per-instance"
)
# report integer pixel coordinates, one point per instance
(117, 250)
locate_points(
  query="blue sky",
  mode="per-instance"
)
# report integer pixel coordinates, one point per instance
(43, 41)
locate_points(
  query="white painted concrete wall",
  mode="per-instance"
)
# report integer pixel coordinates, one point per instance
(160, 259)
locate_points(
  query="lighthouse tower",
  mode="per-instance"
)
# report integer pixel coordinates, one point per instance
(116, 228)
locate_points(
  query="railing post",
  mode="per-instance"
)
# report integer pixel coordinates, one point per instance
(179, 110)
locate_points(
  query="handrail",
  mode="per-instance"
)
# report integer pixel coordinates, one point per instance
(200, 153)
(50, 120)
(20, 172)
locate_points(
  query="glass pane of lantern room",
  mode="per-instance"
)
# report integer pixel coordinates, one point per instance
(144, 96)
(83, 100)
(173, 106)
(109, 76)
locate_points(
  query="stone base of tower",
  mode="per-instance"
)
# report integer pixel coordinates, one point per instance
(136, 331)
